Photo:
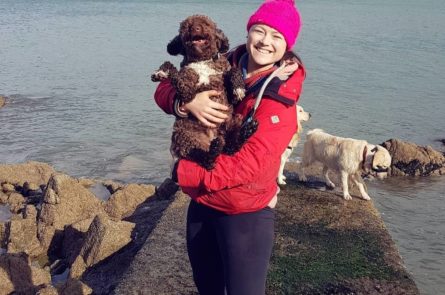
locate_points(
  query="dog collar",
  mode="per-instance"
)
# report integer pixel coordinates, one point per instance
(365, 151)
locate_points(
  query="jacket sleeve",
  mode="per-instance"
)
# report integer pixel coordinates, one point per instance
(165, 96)
(277, 124)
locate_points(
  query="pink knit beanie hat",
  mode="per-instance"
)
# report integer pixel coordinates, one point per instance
(282, 15)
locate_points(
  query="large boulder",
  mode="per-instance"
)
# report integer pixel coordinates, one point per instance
(22, 235)
(104, 238)
(73, 238)
(411, 159)
(65, 202)
(48, 290)
(32, 172)
(75, 287)
(18, 275)
(125, 201)
(16, 202)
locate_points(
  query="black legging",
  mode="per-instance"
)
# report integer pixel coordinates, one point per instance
(229, 253)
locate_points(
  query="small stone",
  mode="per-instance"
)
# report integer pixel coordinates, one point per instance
(7, 187)
(16, 202)
(30, 189)
(30, 211)
(86, 182)
(51, 197)
(2, 101)
(3, 198)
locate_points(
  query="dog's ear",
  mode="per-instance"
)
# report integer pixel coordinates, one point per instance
(175, 46)
(222, 41)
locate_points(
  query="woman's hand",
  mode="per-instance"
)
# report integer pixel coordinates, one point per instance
(206, 110)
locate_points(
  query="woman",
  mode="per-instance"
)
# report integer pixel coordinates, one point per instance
(230, 222)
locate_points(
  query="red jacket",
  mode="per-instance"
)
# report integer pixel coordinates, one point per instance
(245, 181)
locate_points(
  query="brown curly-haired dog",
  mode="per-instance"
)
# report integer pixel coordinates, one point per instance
(204, 68)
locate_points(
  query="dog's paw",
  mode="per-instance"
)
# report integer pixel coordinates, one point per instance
(330, 185)
(347, 197)
(366, 197)
(166, 70)
(215, 149)
(302, 178)
(159, 75)
(281, 181)
(239, 94)
(248, 129)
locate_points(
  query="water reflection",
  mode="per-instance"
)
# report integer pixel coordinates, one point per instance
(5, 214)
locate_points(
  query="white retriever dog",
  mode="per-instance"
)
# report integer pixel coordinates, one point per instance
(346, 156)
(302, 116)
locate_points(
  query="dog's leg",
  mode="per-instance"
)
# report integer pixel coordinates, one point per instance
(236, 138)
(328, 181)
(166, 70)
(284, 157)
(302, 176)
(361, 187)
(344, 181)
(207, 159)
(186, 83)
(235, 85)
(306, 161)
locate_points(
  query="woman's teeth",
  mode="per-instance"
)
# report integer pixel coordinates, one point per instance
(263, 51)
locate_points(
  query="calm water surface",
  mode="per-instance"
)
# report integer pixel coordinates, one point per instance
(77, 74)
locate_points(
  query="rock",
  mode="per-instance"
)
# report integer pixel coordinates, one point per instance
(86, 182)
(48, 290)
(75, 287)
(169, 272)
(3, 198)
(16, 202)
(3, 234)
(73, 238)
(411, 159)
(78, 267)
(104, 238)
(23, 237)
(32, 172)
(19, 276)
(8, 188)
(30, 212)
(31, 189)
(2, 101)
(65, 202)
(123, 203)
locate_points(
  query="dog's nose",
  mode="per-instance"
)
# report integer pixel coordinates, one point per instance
(196, 29)
(379, 169)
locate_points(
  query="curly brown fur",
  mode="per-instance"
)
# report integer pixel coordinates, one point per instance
(203, 68)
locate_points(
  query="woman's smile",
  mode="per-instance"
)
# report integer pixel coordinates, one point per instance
(265, 46)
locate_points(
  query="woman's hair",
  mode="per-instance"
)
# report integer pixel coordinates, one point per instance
(282, 15)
